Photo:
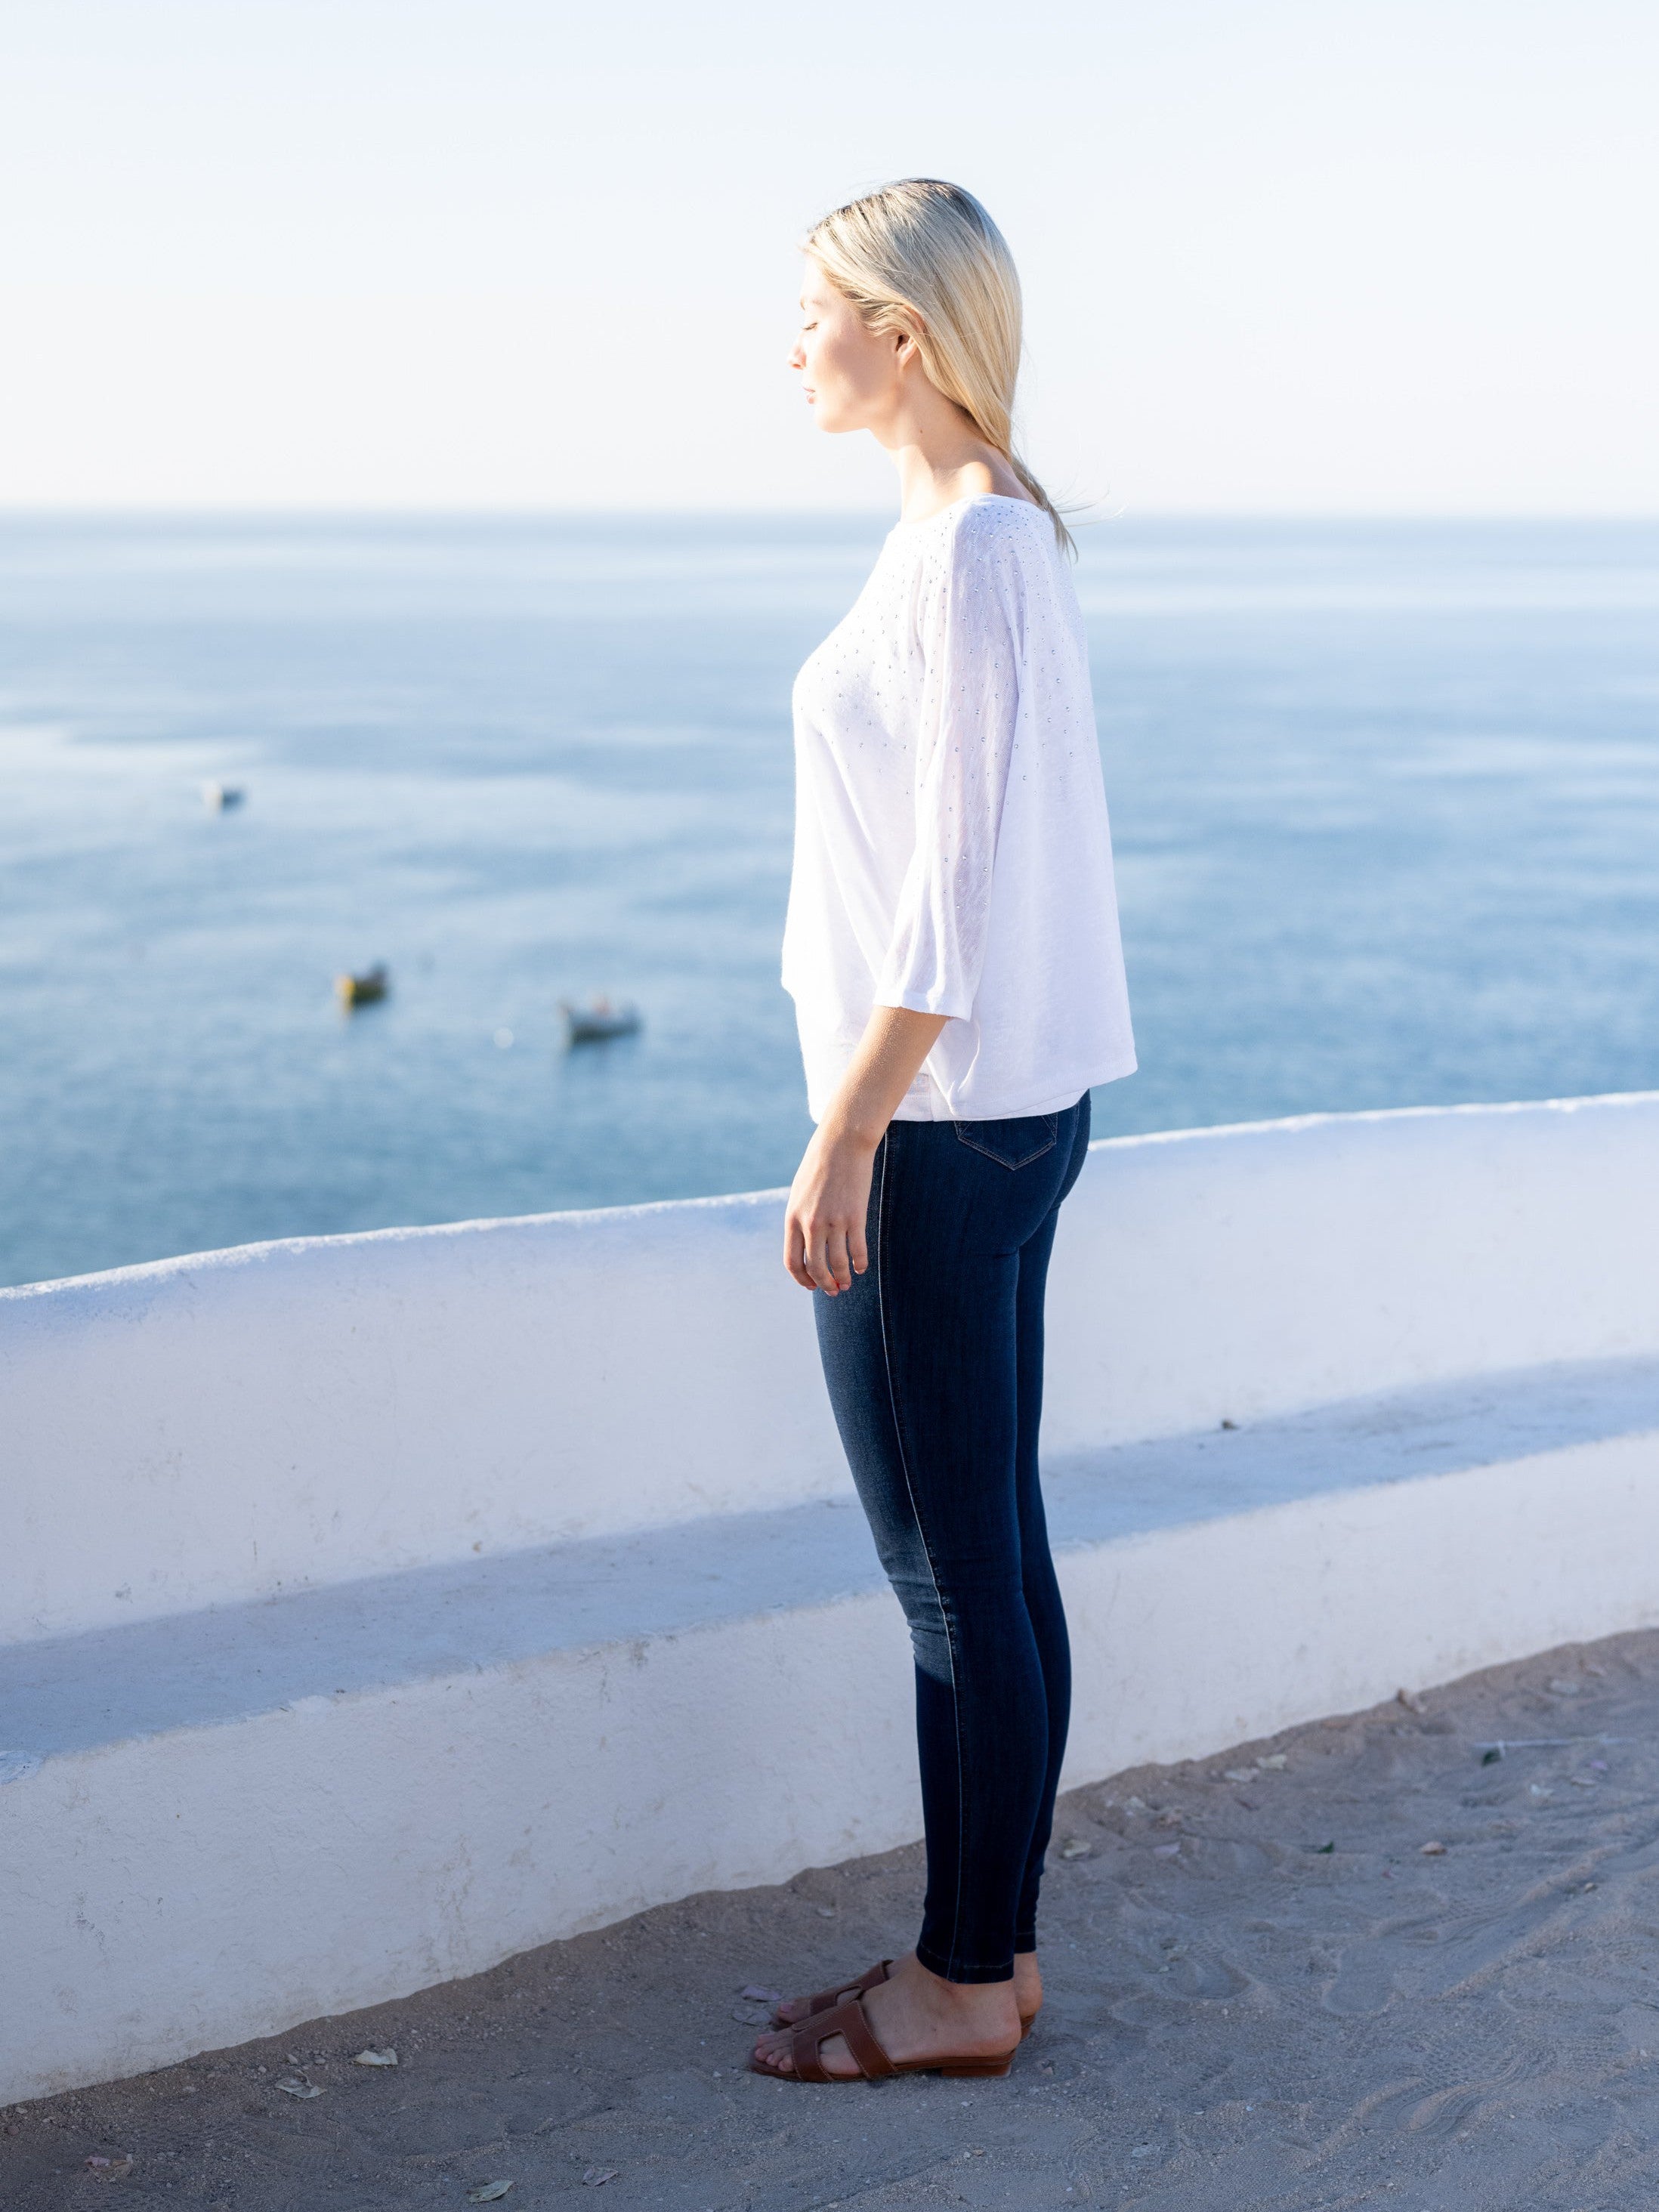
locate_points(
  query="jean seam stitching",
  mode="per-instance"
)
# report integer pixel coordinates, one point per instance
(986, 1152)
(927, 1551)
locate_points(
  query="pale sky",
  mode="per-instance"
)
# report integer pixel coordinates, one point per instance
(1379, 256)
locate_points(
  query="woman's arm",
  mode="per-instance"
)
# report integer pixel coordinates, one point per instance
(971, 634)
(824, 1245)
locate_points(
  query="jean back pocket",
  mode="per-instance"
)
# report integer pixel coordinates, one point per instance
(1013, 1144)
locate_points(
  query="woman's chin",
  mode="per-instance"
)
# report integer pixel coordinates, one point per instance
(827, 415)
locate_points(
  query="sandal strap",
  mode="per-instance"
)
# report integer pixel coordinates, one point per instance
(857, 1987)
(862, 2040)
(847, 2019)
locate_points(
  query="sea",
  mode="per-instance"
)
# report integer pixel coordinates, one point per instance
(1385, 800)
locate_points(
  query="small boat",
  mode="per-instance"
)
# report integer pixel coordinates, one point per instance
(217, 797)
(363, 990)
(598, 1019)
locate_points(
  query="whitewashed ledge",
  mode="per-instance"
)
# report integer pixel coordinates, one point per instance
(374, 1608)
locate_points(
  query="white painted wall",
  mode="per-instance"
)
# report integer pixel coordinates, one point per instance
(1243, 1272)
(174, 1893)
(225, 1850)
(241, 1423)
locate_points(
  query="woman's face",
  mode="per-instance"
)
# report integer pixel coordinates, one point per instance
(849, 376)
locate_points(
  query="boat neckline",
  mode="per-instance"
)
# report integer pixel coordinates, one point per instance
(967, 499)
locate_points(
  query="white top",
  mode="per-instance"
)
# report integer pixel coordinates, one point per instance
(951, 848)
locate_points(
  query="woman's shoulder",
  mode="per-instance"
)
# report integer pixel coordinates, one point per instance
(985, 533)
(984, 563)
(992, 533)
(999, 546)
(994, 518)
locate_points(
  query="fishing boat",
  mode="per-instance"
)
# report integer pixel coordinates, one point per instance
(217, 797)
(363, 990)
(593, 1023)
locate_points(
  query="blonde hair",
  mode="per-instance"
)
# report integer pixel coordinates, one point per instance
(925, 258)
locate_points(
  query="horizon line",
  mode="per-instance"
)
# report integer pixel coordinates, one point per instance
(255, 511)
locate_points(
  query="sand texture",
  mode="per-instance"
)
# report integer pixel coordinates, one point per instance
(1263, 1992)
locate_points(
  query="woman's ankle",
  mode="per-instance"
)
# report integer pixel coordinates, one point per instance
(978, 1997)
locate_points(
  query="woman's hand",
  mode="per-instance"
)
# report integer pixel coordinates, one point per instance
(823, 1230)
(824, 1245)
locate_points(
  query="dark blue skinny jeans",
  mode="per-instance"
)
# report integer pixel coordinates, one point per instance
(934, 1363)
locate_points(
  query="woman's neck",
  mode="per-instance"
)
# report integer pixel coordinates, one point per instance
(927, 488)
(941, 458)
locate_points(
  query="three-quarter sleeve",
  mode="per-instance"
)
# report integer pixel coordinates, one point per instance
(972, 624)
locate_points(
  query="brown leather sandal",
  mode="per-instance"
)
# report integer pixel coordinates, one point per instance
(849, 2019)
(822, 1999)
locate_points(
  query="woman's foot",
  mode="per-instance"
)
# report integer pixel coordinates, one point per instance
(916, 2013)
(1028, 1991)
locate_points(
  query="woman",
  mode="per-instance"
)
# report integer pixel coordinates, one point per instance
(952, 950)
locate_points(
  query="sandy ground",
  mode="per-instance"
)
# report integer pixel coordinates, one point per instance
(1263, 1992)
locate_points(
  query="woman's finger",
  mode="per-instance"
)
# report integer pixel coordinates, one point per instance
(835, 1252)
(857, 1251)
(817, 1262)
(794, 1251)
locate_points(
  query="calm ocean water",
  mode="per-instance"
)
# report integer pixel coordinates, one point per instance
(1386, 800)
